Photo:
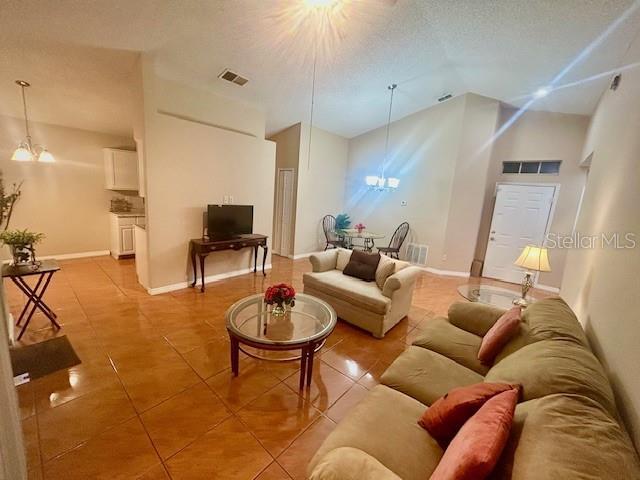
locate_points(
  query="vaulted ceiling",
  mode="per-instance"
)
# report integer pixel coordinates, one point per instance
(79, 55)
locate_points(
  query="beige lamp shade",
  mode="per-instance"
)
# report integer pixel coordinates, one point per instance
(534, 258)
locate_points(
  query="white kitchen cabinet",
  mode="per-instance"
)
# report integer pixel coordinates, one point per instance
(123, 233)
(120, 169)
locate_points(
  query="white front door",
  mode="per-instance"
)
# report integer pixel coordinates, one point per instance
(284, 212)
(520, 218)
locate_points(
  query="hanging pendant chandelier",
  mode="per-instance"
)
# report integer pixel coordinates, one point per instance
(27, 151)
(379, 182)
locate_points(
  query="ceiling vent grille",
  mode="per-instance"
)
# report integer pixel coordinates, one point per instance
(444, 97)
(232, 77)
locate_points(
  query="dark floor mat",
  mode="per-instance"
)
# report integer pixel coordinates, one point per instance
(43, 358)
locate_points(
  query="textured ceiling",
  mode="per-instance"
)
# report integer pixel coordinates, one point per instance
(79, 55)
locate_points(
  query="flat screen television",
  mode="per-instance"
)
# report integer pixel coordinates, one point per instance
(229, 221)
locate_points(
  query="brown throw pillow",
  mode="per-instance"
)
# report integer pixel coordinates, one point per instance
(362, 265)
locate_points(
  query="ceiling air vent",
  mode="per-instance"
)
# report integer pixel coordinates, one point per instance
(444, 97)
(232, 77)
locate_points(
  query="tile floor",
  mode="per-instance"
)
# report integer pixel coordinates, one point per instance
(154, 397)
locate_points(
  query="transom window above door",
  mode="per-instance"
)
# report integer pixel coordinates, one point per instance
(544, 167)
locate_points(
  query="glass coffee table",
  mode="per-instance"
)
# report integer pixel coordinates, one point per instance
(304, 327)
(496, 296)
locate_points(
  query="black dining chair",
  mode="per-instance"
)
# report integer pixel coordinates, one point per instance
(393, 250)
(329, 227)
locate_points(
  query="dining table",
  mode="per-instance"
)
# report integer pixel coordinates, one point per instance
(368, 238)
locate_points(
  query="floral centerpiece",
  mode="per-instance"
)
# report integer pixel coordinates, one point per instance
(280, 295)
(360, 227)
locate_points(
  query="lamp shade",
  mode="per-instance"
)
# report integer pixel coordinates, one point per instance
(22, 154)
(46, 157)
(371, 180)
(393, 182)
(534, 258)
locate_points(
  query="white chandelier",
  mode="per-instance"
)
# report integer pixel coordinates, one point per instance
(27, 151)
(379, 182)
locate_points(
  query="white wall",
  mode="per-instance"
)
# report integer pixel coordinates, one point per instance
(602, 284)
(438, 156)
(540, 136)
(321, 185)
(65, 200)
(199, 147)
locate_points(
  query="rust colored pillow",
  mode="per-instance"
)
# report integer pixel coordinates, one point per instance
(446, 416)
(498, 335)
(475, 450)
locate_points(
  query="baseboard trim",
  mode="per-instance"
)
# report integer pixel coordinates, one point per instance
(208, 279)
(446, 273)
(71, 256)
(302, 255)
(546, 288)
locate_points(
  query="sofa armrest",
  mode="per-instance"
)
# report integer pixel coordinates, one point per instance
(324, 261)
(347, 463)
(400, 280)
(474, 317)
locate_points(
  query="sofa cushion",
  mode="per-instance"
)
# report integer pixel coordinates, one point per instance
(476, 448)
(426, 375)
(446, 416)
(497, 337)
(346, 463)
(566, 437)
(552, 318)
(555, 366)
(476, 318)
(384, 426)
(362, 265)
(343, 258)
(365, 295)
(440, 336)
(385, 269)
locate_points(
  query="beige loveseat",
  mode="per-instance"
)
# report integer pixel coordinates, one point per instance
(566, 426)
(361, 303)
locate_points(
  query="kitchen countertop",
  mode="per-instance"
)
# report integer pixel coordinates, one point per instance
(129, 214)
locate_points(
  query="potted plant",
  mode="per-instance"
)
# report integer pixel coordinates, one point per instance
(342, 222)
(22, 245)
(280, 295)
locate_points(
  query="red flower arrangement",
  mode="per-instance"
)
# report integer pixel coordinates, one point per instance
(360, 227)
(280, 294)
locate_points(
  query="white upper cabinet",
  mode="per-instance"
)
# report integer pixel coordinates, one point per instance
(120, 169)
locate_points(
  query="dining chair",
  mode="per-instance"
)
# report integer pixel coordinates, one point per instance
(329, 227)
(397, 239)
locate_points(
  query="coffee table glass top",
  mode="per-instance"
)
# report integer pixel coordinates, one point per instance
(496, 296)
(309, 320)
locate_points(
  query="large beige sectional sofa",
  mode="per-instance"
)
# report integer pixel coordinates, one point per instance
(373, 308)
(566, 425)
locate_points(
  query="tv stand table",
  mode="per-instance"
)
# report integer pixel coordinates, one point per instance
(202, 247)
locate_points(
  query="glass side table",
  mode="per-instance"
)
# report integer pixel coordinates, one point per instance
(491, 295)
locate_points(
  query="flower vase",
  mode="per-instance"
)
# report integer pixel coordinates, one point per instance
(278, 310)
(22, 254)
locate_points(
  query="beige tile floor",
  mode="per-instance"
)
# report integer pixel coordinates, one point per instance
(154, 397)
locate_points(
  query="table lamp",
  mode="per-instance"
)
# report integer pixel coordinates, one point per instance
(532, 259)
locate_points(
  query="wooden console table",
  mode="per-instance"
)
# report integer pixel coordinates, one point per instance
(201, 247)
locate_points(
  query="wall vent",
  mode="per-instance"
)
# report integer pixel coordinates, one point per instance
(444, 97)
(417, 254)
(232, 77)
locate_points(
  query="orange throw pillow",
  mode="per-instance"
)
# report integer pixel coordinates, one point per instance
(475, 450)
(498, 335)
(446, 416)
